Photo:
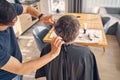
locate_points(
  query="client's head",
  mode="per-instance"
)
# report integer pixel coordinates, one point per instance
(67, 27)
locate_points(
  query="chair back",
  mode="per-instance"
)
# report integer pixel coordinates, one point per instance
(39, 33)
(105, 21)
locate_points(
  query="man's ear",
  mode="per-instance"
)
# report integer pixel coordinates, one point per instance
(61, 34)
(78, 33)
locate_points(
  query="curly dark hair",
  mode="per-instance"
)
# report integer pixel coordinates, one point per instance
(7, 12)
(67, 27)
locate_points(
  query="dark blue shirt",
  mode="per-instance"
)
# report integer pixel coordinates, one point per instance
(9, 47)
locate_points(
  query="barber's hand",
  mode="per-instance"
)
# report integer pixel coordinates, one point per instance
(56, 44)
(48, 20)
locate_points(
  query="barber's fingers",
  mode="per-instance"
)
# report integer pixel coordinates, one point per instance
(51, 18)
(57, 41)
(48, 21)
(53, 39)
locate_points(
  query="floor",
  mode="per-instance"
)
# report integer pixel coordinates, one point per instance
(28, 48)
(108, 61)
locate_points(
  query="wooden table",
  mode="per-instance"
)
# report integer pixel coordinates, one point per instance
(93, 21)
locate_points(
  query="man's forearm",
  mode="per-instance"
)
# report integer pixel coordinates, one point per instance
(14, 66)
(32, 11)
(35, 64)
(48, 20)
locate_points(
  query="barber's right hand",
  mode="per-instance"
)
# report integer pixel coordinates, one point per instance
(56, 44)
(48, 20)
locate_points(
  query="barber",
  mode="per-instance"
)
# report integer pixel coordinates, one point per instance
(11, 66)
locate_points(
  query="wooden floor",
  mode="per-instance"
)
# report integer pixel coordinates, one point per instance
(108, 61)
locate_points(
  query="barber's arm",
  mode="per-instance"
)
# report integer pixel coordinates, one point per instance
(14, 66)
(48, 20)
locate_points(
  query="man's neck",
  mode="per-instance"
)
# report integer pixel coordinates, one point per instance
(69, 42)
(2, 28)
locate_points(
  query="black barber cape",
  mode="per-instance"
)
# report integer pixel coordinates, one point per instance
(74, 63)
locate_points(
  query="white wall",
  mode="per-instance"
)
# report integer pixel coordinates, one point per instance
(44, 6)
(88, 5)
(11, 1)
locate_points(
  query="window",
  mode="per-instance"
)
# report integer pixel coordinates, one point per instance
(56, 6)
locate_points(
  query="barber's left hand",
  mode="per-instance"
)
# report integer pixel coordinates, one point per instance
(56, 44)
(48, 20)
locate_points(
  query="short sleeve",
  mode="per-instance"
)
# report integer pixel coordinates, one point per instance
(4, 57)
(18, 8)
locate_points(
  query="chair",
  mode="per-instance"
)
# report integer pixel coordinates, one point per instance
(105, 21)
(39, 33)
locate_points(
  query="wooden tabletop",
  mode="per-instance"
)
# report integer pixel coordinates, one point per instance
(93, 22)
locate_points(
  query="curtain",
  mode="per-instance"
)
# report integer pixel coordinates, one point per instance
(75, 6)
(17, 1)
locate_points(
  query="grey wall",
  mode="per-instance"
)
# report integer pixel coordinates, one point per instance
(88, 5)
